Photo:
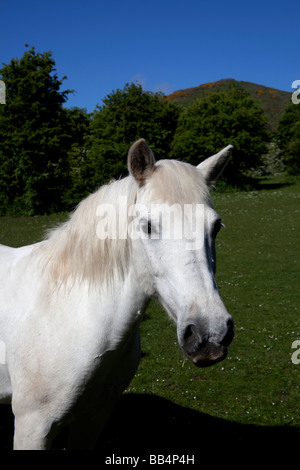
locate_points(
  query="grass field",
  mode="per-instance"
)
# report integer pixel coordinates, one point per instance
(258, 386)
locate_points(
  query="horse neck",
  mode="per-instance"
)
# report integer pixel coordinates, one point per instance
(119, 311)
(129, 299)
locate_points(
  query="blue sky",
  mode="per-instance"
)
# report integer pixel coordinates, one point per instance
(165, 45)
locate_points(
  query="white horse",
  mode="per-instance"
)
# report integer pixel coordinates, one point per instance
(70, 306)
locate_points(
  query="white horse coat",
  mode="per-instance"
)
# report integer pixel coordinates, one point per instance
(70, 306)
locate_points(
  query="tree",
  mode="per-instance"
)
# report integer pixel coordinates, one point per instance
(222, 118)
(288, 138)
(125, 116)
(34, 136)
(78, 121)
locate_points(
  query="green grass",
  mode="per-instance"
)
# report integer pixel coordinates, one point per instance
(258, 278)
(19, 231)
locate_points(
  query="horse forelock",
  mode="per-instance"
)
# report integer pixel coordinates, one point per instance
(176, 182)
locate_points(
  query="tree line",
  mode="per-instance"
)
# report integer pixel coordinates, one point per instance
(52, 156)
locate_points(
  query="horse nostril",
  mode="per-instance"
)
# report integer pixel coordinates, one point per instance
(189, 331)
(191, 339)
(229, 333)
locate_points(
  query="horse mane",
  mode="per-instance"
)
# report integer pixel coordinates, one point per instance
(73, 251)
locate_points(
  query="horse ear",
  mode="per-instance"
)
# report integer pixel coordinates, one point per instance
(141, 161)
(213, 167)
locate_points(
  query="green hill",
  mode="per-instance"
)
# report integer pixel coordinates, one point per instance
(273, 101)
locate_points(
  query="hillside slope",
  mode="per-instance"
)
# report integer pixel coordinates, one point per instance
(273, 101)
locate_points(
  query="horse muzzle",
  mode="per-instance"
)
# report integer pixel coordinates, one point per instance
(203, 350)
(208, 355)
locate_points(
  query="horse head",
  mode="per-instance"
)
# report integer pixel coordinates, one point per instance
(174, 256)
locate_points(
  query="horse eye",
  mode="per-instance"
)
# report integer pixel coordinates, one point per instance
(146, 226)
(217, 227)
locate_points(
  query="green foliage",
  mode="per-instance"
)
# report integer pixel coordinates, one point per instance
(77, 187)
(222, 118)
(51, 157)
(273, 102)
(33, 135)
(125, 116)
(288, 138)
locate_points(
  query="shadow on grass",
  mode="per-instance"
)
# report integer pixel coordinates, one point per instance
(153, 424)
(271, 185)
(144, 424)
